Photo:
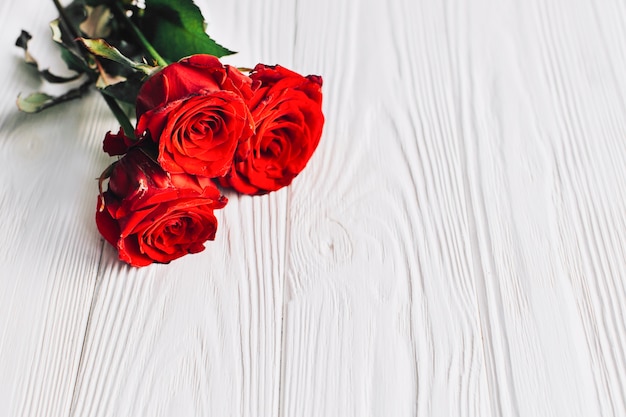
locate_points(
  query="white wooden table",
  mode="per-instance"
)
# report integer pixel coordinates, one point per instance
(456, 246)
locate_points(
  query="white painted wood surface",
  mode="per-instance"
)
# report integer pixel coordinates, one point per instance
(456, 247)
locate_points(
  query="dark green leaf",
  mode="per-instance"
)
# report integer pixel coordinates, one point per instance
(74, 61)
(177, 29)
(125, 91)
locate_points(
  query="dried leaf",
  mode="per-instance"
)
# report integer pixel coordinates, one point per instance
(98, 22)
(22, 42)
(51, 78)
(71, 57)
(36, 102)
(101, 48)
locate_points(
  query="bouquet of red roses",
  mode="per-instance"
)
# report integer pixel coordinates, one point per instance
(200, 124)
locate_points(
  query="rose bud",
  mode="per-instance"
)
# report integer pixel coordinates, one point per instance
(287, 112)
(152, 216)
(118, 143)
(195, 111)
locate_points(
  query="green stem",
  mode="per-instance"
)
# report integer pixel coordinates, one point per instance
(140, 37)
(121, 117)
(65, 19)
(115, 108)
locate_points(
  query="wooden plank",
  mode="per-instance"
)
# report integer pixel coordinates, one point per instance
(50, 248)
(459, 249)
(194, 337)
(544, 143)
(381, 314)
(200, 336)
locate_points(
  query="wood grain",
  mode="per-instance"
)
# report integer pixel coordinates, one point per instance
(535, 147)
(456, 246)
(463, 229)
(50, 249)
(381, 315)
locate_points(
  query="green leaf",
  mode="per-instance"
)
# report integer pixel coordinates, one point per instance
(122, 85)
(125, 90)
(72, 59)
(101, 48)
(34, 102)
(177, 29)
(37, 102)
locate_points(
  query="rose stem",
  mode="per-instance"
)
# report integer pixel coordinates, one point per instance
(121, 117)
(115, 108)
(65, 19)
(140, 37)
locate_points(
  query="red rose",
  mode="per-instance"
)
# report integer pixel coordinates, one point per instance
(152, 216)
(195, 111)
(287, 112)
